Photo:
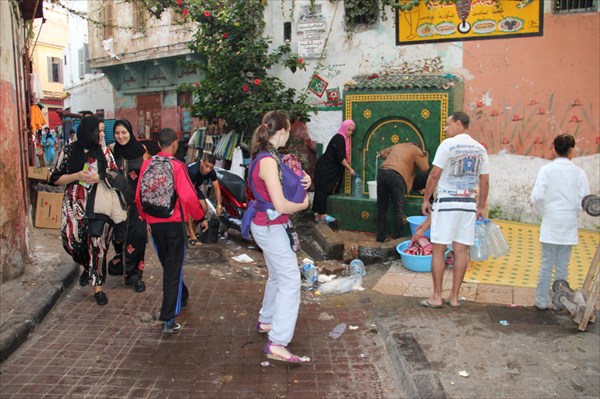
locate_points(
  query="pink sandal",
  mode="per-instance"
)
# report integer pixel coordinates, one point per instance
(292, 359)
(261, 327)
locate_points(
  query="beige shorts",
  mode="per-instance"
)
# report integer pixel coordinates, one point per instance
(453, 220)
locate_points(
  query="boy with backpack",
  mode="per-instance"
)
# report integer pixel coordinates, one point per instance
(164, 194)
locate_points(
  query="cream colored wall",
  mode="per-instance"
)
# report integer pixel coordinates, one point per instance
(52, 39)
(161, 38)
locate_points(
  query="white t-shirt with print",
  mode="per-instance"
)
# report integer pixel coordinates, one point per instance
(462, 159)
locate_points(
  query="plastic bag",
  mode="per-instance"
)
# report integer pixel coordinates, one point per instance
(342, 285)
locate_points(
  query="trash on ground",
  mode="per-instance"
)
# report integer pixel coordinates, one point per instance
(265, 364)
(304, 359)
(324, 316)
(243, 258)
(353, 327)
(463, 373)
(504, 323)
(338, 331)
(357, 267)
(342, 285)
(251, 247)
(363, 355)
(325, 279)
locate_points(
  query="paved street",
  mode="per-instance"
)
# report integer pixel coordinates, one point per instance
(398, 349)
(82, 350)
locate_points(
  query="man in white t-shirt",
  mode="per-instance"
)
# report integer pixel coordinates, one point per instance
(459, 167)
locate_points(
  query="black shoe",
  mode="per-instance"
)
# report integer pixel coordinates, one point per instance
(101, 298)
(84, 279)
(171, 328)
(140, 286)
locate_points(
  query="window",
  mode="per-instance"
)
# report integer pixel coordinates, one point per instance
(108, 18)
(84, 65)
(55, 70)
(573, 6)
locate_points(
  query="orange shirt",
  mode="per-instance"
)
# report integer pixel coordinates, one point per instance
(404, 158)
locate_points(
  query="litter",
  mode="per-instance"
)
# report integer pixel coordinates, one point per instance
(325, 279)
(265, 364)
(463, 373)
(342, 285)
(243, 258)
(338, 331)
(504, 323)
(353, 327)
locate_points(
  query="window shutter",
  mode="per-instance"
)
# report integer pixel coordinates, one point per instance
(49, 69)
(86, 59)
(80, 57)
(60, 70)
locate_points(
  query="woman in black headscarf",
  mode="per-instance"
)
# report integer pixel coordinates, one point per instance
(130, 238)
(80, 167)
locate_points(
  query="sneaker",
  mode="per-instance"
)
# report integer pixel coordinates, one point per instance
(84, 279)
(171, 328)
(140, 286)
(101, 298)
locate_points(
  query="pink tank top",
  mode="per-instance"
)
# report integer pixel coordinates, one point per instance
(260, 219)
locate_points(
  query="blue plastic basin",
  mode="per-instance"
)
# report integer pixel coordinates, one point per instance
(415, 263)
(414, 222)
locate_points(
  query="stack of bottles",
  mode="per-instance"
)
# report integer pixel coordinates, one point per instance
(489, 241)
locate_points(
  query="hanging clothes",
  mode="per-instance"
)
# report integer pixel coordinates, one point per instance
(37, 118)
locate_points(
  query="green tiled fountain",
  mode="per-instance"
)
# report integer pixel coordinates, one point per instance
(390, 110)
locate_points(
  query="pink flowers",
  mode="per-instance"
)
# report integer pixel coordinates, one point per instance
(575, 119)
(197, 84)
(538, 140)
(479, 104)
(300, 61)
(207, 14)
(495, 113)
(179, 2)
(225, 35)
(505, 140)
(516, 117)
(257, 82)
(245, 88)
(185, 12)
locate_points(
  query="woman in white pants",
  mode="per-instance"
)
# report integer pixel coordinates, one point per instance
(269, 179)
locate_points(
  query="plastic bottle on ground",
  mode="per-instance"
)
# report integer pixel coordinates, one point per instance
(357, 267)
(309, 271)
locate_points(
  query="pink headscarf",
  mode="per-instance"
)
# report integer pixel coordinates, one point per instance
(343, 130)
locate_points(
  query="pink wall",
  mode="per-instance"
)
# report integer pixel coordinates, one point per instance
(525, 91)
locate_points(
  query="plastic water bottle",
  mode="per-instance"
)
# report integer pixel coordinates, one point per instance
(357, 267)
(497, 242)
(309, 272)
(357, 187)
(480, 249)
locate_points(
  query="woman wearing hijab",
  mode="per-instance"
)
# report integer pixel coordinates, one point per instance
(132, 235)
(48, 143)
(85, 235)
(329, 170)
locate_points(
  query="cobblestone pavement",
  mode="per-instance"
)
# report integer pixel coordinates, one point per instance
(83, 350)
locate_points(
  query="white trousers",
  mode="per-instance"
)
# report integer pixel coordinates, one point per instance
(281, 301)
